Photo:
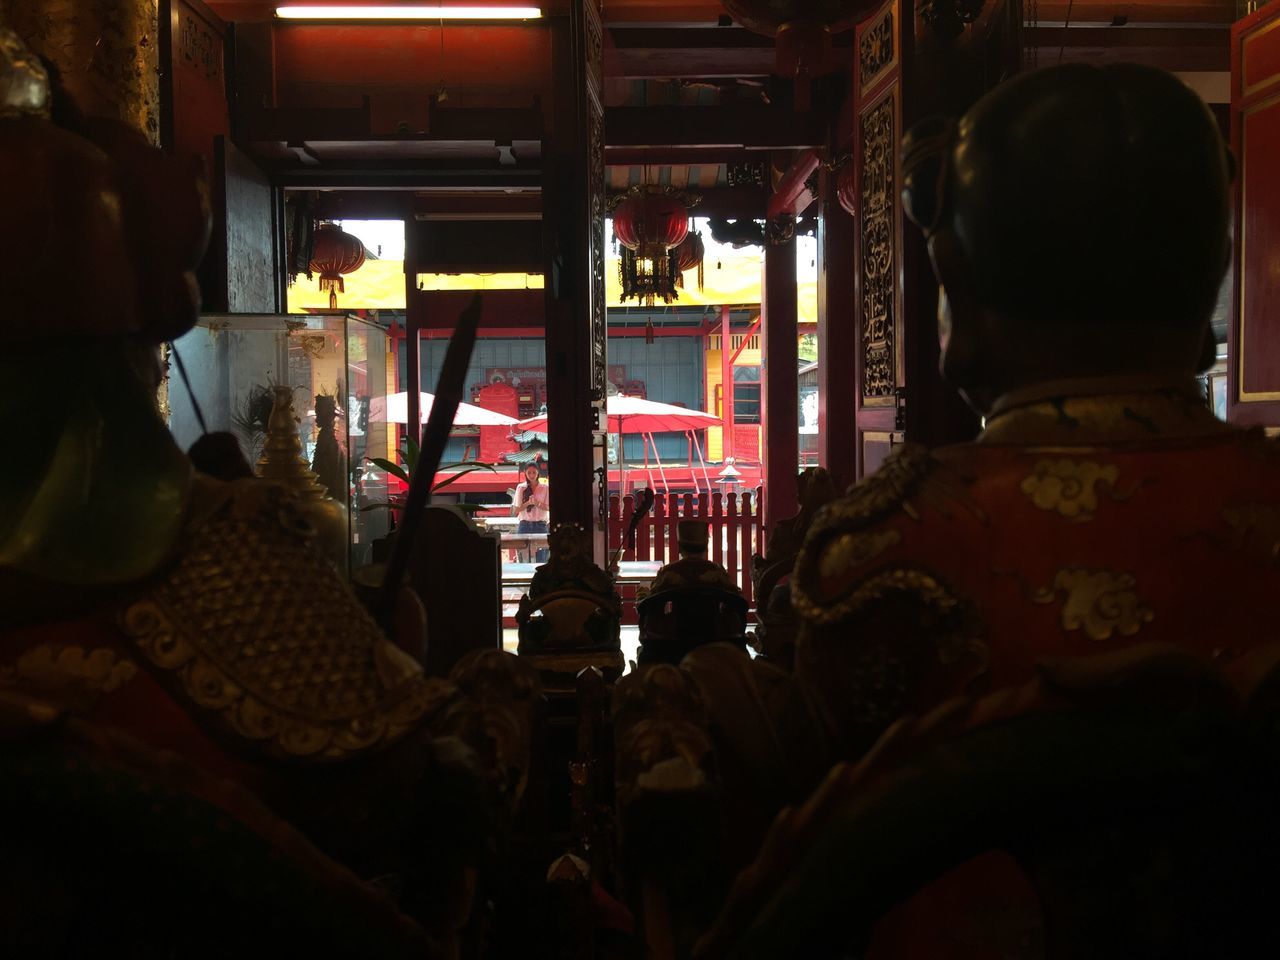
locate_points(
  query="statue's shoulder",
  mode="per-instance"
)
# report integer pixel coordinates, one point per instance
(251, 623)
(859, 546)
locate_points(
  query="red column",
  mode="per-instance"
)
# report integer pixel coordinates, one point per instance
(413, 323)
(837, 337)
(780, 389)
(726, 383)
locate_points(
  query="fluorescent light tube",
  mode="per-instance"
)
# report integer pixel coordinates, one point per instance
(406, 12)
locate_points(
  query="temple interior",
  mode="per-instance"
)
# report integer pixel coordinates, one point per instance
(640, 479)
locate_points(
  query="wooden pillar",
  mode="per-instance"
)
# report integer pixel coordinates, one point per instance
(577, 332)
(726, 383)
(107, 51)
(413, 360)
(899, 76)
(780, 390)
(837, 337)
(1253, 342)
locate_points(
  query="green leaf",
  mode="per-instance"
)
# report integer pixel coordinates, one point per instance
(411, 453)
(392, 468)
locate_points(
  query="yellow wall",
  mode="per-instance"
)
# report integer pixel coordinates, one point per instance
(750, 357)
(379, 285)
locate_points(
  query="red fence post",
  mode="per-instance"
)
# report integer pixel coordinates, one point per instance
(643, 548)
(658, 519)
(615, 525)
(628, 508)
(748, 529)
(717, 527)
(731, 528)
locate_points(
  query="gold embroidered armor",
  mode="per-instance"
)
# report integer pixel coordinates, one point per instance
(253, 625)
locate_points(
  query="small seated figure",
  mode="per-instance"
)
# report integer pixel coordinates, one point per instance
(571, 617)
(777, 624)
(693, 601)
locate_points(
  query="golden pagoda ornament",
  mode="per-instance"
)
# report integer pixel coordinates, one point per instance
(283, 463)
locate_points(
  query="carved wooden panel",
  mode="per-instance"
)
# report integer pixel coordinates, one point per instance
(596, 187)
(878, 200)
(877, 53)
(198, 46)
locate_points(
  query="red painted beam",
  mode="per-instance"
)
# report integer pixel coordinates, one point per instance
(793, 196)
(499, 309)
(493, 333)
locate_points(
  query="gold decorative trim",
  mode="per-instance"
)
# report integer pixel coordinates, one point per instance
(854, 549)
(295, 733)
(1243, 395)
(1102, 603)
(880, 493)
(70, 676)
(255, 626)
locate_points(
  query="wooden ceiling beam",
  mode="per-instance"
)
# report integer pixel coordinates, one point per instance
(746, 126)
(1178, 49)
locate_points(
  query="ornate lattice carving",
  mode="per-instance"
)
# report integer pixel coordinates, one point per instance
(199, 48)
(875, 50)
(594, 34)
(879, 251)
(597, 201)
(597, 197)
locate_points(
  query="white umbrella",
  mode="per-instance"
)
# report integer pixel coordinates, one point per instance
(646, 417)
(636, 415)
(395, 409)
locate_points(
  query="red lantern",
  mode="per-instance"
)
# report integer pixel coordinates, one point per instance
(803, 30)
(333, 254)
(650, 219)
(847, 189)
(650, 223)
(690, 254)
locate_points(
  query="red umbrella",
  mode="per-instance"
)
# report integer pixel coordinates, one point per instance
(635, 415)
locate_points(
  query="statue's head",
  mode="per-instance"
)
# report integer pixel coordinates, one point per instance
(105, 230)
(693, 538)
(569, 543)
(1077, 220)
(101, 236)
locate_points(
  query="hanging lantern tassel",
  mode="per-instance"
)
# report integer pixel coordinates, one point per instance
(648, 331)
(702, 274)
(335, 286)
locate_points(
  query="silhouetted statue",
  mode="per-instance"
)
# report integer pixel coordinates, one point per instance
(190, 613)
(1077, 220)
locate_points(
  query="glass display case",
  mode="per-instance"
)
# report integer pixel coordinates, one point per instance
(337, 365)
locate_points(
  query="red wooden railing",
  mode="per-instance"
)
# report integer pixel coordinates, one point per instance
(736, 529)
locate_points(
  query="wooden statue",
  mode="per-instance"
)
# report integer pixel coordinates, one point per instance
(1067, 817)
(777, 624)
(192, 614)
(328, 460)
(692, 601)
(1103, 504)
(571, 617)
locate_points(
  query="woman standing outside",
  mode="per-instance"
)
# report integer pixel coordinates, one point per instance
(530, 505)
